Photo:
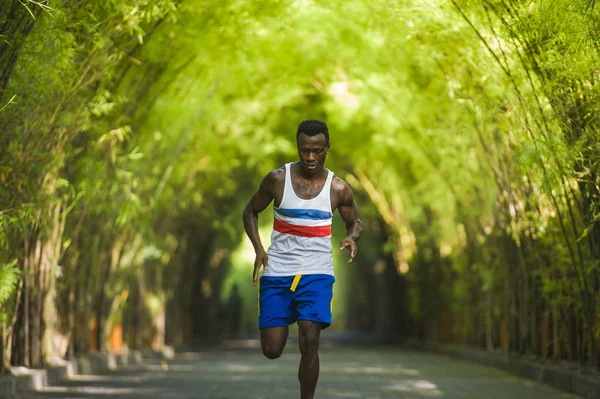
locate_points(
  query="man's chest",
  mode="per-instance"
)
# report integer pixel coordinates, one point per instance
(305, 190)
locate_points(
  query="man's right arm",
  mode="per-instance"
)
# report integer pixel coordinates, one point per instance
(259, 201)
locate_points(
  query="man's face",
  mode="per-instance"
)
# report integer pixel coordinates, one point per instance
(312, 151)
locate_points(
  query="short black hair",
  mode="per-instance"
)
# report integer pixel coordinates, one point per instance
(312, 127)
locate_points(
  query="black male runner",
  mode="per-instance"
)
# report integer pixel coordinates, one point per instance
(297, 281)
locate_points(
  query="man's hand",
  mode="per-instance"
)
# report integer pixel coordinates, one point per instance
(350, 246)
(261, 260)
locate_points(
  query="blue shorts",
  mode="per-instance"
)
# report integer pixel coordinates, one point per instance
(285, 300)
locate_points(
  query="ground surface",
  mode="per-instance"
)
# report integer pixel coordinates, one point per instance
(346, 372)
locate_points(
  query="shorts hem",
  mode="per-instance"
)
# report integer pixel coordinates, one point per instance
(324, 324)
(260, 327)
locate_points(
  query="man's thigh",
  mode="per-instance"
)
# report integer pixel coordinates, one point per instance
(309, 333)
(314, 299)
(273, 339)
(275, 302)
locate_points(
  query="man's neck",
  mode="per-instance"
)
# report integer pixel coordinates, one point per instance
(301, 173)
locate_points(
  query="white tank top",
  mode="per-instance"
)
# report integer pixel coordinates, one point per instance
(301, 238)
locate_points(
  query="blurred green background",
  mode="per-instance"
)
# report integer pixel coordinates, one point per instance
(134, 132)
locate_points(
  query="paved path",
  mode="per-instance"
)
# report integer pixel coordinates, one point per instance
(368, 373)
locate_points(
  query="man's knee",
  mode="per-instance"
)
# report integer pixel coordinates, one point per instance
(309, 345)
(273, 341)
(309, 335)
(272, 352)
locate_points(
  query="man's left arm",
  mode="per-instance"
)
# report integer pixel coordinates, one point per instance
(349, 213)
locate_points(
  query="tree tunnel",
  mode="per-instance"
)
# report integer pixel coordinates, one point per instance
(133, 134)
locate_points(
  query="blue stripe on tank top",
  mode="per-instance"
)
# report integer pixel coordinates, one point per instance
(313, 214)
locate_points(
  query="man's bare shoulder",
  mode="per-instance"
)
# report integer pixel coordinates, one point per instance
(341, 189)
(273, 181)
(276, 176)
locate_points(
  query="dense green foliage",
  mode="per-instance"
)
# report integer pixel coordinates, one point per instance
(134, 132)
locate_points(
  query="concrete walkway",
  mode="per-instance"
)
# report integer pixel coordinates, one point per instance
(346, 372)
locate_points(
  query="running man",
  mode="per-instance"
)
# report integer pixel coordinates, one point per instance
(297, 281)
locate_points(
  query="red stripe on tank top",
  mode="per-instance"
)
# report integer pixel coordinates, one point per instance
(301, 231)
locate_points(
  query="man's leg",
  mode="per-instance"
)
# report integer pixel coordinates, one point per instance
(273, 340)
(308, 334)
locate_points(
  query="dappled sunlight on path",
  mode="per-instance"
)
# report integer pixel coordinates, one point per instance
(346, 372)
